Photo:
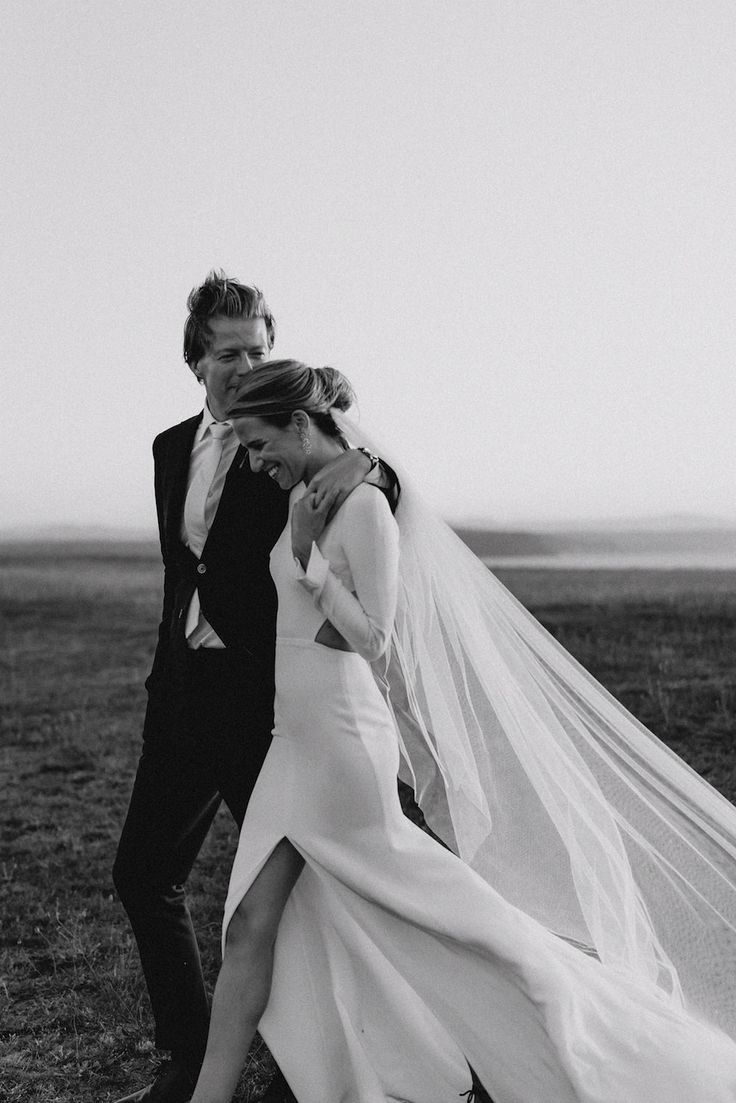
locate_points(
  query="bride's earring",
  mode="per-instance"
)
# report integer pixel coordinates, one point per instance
(305, 441)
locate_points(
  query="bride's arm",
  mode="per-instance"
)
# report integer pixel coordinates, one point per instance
(370, 541)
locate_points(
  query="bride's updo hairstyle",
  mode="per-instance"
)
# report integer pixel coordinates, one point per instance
(273, 392)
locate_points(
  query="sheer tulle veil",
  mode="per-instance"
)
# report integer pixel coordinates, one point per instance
(542, 782)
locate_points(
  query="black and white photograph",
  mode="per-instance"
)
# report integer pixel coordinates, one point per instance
(368, 551)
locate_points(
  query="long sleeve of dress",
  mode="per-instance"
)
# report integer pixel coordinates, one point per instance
(358, 595)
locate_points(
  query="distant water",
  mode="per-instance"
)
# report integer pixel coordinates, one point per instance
(618, 561)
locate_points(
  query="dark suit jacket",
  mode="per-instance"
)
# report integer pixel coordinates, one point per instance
(235, 588)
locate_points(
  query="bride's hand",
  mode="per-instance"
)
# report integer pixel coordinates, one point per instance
(308, 519)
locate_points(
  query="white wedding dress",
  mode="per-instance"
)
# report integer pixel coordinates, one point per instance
(397, 965)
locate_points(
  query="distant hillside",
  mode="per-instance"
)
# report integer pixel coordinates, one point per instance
(501, 543)
(55, 550)
(679, 542)
(83, 534)
(664, 522)
(707, 542)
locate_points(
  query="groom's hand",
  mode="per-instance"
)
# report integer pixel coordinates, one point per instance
(337, 479)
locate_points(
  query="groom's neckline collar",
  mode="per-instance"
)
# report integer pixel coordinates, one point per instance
(208, 418)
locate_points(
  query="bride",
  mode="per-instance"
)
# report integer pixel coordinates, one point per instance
(577, 941)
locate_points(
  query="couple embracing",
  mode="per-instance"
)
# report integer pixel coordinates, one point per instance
(572, 942)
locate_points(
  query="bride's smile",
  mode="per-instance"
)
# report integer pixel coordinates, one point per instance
(287, 453)
(273, 450)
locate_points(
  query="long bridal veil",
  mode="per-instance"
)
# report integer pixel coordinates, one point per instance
(543, 783)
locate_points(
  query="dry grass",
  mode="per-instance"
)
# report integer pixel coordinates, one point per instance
(78, 636)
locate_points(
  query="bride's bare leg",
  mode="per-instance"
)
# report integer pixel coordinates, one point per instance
(244, 983)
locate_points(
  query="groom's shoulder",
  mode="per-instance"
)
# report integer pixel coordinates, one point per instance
(176, 433)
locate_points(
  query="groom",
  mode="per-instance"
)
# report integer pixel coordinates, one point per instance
(210, 691)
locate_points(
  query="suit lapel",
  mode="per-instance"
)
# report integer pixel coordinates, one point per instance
(237, 474)
(262, 493)
(264, 498)
(175, 474)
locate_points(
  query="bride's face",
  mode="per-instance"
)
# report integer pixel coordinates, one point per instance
(277, 451)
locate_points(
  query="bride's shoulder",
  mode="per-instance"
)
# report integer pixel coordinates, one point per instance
(367, 493)
(367, 502)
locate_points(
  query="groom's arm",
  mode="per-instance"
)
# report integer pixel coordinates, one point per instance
(382, 476)
(341, 476)
(163, 643)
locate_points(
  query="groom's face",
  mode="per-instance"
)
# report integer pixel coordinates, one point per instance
(237, 346)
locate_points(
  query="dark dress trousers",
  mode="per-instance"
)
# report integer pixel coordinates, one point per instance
(207, 726)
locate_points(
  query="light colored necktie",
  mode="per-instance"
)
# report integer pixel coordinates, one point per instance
(203, 494)
(211, 458)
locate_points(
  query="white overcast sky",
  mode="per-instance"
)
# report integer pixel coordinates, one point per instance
(512, 224)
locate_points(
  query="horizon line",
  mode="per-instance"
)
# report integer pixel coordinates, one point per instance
(673, 521)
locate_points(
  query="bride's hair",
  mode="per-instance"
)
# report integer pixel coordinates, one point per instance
(273, 392)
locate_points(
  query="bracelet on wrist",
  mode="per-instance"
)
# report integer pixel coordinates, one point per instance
(374, 460)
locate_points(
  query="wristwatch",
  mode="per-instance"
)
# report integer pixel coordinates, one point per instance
(374, 460)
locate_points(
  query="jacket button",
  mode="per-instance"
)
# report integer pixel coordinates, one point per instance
(201, 568)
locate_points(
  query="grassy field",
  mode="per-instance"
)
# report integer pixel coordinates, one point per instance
(78, 632)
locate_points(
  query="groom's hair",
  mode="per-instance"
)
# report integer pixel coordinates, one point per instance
(220, 295)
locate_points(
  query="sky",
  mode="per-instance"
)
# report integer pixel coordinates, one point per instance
(512, 224)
